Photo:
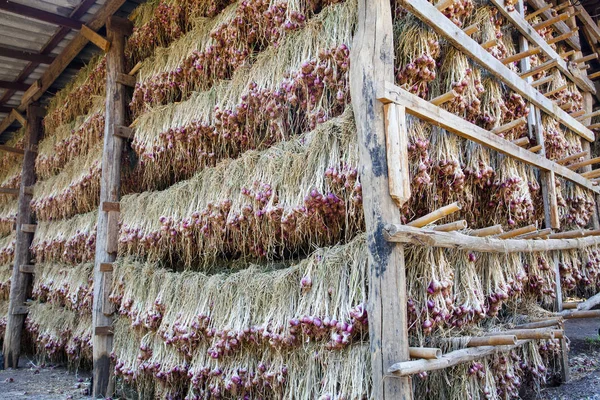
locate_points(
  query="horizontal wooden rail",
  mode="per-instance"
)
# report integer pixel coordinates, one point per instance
(406, 368)
(454, 240)
(424, 110)
(456, 37)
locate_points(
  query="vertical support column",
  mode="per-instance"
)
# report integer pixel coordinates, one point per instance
(20, 286)
(110, 192)
(588, 107)
(534, 124)
(372, 63)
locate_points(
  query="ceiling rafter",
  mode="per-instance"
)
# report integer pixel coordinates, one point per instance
(25, 55)
(40, 15)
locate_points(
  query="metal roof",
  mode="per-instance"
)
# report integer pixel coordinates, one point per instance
(32, 33)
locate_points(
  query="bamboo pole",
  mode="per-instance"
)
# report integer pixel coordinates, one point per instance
(521, 55)
(578, 233)
(570, 305)
(489, 231)
(539, 68)
(471, 29)
(426, 353)
(518, 232)
(540, 324)
(589, 115)
(562, 37)
(535, 148)
(554, 91)
(542, 81)
(589, 303)
(451, 226)
(586, 58)
(538, 12)
(577, 114)
(444, 98)
(511, 125)
(580, 314)
(573, 157)
(522, 334)
(443, 4)
(594, 75)
(552, 21)
(537, 234)
(407, 368)
(595, 173)
(522, 142)
(489, 43)
(499, 340)
(584, 163)
(435, 215)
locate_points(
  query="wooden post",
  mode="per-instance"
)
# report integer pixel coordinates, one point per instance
(372, 63)
(20, 286)
(110, 191)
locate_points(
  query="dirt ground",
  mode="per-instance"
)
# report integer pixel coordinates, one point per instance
(48, 382)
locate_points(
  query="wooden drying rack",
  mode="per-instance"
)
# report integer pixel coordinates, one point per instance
(383, 126)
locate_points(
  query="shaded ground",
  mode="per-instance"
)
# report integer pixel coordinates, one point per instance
(47, 383)
(584, 362)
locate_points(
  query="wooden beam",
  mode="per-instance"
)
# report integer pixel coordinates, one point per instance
(453, 123)
(405, 234)
(538, 12)
(124, 132)
(587, 21)
(27, 269)
(10, 149)
(521, 55)
(436, 20)
(21, 283)
(562, 37)
(19, 310)
(539, 68)
(72, 49)
(107, 206)
(93, 37)
(127, 80)
(13, 85)
(25, 55)
(29, 228)
(587, 58)
(106, 267)
(533, 37)
(397, 152)
(40, 15)
(110, 192)
(18, 117)
(372, 63)
(103, 331)
(12, 192)
(583, 163)
(560, 27)
(135, 69)
(552, 21)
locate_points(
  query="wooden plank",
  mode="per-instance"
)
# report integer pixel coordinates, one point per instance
(110, 206)
(103, 331)
(562, 37)
(126, 80)
(110, 191)
(587, 21)
(13, 85)
(538, 12)
(19, 117)
(539, 68)
(12, 192)
(436, 20)
(21, 283)
(124, 132)
(397, 152)
(32, 91)
(93, 37)
(372, 63)
(106, 267)
(19, 310)
(10, 149)
(435, 115)
(27, 269)
(40, 15)
(405, 234)
(552, 21)
(25, 55)
(29, 228)
(559, 27)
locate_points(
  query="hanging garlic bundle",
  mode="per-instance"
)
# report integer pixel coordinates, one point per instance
(555, 143)
(502, 277)
(540, 277)
(430, 298)
(578, 206)
(569, 266)
(590, 269)
(469, 300)
(512, 197)
(418, 153)
(573, 144)
(458, 11)
(459, 75)
(508, 42)
(447, 175)
(479, 178)
(493, 107)
(417, 49)
(516, 108)
(489, 23)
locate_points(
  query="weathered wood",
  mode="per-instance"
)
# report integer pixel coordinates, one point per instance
(540, 324)
(538, 12)
(587, 20)
(570, 305)
(518, 231)
(523, 334)
(13, 150)
(568, 234)
(564, 36)
(455, 240)
(585, 58)
(436, 20)
(591, 174)
(455, 124)
(127, 80)
(103, 331)
(570, 314)
(589, 303)
(588, 116)
(396, 139)
(135, 69)
(535, 149)
(29, 228)
(588, 106)
(372, 63)
(489, 231)
(510, 125)
(521, 55)
(444, 98)
(542, 81)
(27, 269)
(407, 368)
(106, 267)
(19, 310)
(584, 163)
(522, 142)
(427, 353)
(20, 286)
(435, 215)
(124, 132)
(451, 226)
(12, 192)
(573, 157)
(110, 191)
(594, 75)
(110, 206)
(19, 117)
(95, 38)
(496, 340)
(537, 234)
(552, 21)
(554, 91)
(539, 68)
